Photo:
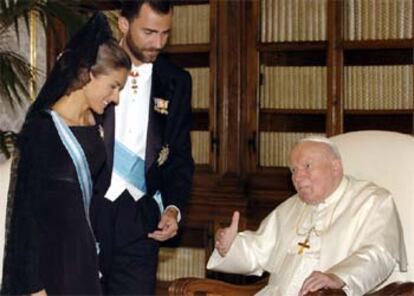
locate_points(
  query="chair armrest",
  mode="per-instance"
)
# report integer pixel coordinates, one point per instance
(396, 289)
(393, 289)
(190, 286)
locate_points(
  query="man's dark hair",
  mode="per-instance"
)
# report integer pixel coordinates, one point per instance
(130, 9)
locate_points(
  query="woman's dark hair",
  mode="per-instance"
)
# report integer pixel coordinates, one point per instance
(92, 48)
(130, 9)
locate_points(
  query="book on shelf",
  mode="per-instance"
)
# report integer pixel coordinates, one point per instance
(174, 263)
(201, 87)
(200, 146)
(293, 87)
(378, 19)
(293, 20)
(191, 24)
(378, 87)
(275, 147)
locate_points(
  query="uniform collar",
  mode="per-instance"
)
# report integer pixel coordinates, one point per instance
(335, 196)
(143, 69)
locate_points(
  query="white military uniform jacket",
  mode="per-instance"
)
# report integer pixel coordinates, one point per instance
(355, 233)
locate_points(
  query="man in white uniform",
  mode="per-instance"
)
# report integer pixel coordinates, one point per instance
(147, 137)
(336, 232)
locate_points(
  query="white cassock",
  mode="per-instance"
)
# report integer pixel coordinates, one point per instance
(355, 234)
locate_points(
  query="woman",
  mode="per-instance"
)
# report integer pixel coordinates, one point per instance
(50, 245)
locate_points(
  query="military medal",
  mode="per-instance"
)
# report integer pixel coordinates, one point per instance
(134, 81)
(161, 105)
(101, 131)
(163, 155)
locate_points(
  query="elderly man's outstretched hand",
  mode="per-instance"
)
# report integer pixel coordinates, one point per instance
(225, 236)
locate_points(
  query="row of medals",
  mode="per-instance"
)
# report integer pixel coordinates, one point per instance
(134, 81)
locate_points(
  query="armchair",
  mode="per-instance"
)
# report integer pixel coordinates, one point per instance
(386, 158)
(209, 287)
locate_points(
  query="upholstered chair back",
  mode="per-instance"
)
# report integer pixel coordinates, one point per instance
(387, 159)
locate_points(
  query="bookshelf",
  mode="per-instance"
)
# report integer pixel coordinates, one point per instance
(292, 48)
(320, 67)
(190, 44)
(378, 65)
(328, 67)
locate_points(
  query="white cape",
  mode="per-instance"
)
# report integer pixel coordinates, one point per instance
(362, 242)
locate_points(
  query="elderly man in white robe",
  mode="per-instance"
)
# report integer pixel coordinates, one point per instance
(336, 232)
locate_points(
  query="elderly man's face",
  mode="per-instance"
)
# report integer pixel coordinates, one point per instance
(316, 172)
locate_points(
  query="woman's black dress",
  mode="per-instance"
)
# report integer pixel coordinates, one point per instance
(49, 244)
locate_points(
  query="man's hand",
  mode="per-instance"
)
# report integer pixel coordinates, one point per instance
(320, 280)
(40, 293)
(226, 236)
(167, 226)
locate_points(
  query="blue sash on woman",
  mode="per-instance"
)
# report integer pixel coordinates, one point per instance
(79, 160)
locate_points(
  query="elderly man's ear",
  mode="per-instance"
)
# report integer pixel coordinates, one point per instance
(337, 165)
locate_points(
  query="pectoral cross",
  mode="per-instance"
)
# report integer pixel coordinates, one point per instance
(303, 245)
